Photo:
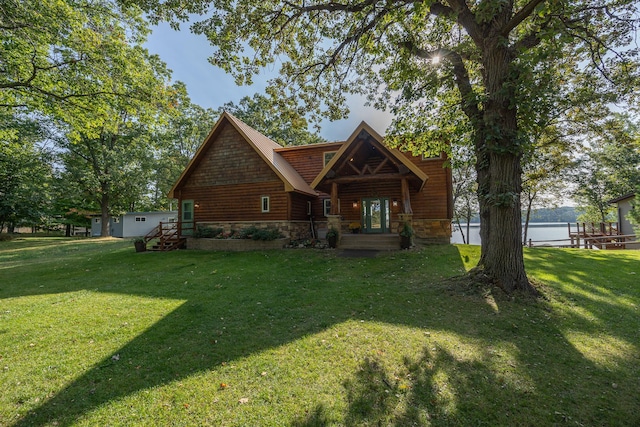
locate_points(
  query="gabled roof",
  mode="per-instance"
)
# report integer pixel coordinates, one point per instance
(394, 153)
(264, 146)
(623, 197)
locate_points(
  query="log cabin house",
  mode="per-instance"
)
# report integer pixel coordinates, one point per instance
(239, 177)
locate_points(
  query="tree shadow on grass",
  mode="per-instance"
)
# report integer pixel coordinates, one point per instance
(229, 314)
(440, 389)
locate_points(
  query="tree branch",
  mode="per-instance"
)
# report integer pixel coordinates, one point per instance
(520, 16)
(462, 15)
(461, 76)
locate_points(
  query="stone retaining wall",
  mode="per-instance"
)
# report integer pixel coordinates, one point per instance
(291, 229)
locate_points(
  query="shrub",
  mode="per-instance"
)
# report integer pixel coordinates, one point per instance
(208, 232)
(256, 233)
(406, 231)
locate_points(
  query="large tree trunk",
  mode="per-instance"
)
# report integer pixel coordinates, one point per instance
(500, 176)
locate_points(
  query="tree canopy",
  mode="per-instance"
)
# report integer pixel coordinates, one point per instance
(499, 67)
(56, 53)
(285, 124)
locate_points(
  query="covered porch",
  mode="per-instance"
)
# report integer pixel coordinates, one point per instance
(370, 186)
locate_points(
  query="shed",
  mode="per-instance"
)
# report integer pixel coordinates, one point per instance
(624, 205)
(133, 224)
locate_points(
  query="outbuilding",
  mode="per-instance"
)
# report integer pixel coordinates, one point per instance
(133, 224)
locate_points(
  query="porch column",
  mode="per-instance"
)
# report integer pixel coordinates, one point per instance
(335, 222)
(334, 199)
(406, 197)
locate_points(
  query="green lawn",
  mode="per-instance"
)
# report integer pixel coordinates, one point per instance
(92, 333)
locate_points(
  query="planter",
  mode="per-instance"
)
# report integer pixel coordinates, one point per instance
(405, 242)
(141, 246)
(332, 241)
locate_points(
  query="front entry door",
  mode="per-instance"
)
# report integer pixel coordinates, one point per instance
(375, 215)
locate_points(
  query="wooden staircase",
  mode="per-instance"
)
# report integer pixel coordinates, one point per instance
(379, 242)
(165, 238)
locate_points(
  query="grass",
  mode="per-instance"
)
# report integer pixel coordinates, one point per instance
(92, 333)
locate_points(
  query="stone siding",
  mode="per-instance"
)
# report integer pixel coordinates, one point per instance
(290, 229)
(432, 230)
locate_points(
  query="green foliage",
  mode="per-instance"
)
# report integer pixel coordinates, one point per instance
(634, 214)
(177, 138)
(25, 172)
(561, 214)
(251, 233)
(608, 167)
(107, 148)
(332, 233)
(283, 122)
(407, 230)
(61, 53)
(208, 232)
(255, 233)
(594, 215)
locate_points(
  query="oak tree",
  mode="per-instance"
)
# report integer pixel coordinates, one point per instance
(493, 54)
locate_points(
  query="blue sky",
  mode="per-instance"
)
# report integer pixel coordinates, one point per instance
(186, 55)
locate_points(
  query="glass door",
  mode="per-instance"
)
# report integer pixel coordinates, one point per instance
(375, 215)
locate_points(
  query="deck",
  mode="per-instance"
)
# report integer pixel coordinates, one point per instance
(593, 236)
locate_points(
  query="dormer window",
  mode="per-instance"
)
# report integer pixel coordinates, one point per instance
(328, 155)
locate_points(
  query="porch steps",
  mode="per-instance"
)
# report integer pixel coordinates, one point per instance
(379, 242)
(164, 245)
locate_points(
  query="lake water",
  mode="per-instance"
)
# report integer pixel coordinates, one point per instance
(539, 232)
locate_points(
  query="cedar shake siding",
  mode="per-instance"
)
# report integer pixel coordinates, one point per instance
(230, 161)
(230, 181)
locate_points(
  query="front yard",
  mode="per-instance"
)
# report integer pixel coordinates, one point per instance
(92, 333)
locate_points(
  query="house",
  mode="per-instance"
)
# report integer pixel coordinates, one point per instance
(133, 224)
(239, 177)
(624, 205)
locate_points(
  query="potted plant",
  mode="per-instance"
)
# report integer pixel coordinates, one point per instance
(140, 244)
(354, 227)
(332, 237)
(405, 236)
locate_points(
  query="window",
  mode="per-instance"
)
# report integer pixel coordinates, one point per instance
(427, 157)
(173, 219)
(187, 210)
(141, 218)
(116, 220)
(326, 203)
(97, 220)
(265, 203)
(309, 207)
(328, 156)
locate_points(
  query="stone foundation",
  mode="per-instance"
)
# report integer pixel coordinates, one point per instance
(426, 230)
(432, 230)
(294, 230)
